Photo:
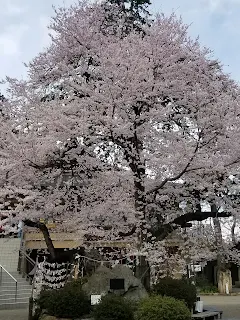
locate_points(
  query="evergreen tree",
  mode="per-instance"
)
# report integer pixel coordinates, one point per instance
(132, 13)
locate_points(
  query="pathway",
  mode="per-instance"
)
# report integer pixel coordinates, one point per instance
(230, 305)
(17, 314)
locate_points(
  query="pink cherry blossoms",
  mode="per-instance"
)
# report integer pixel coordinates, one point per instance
(113, 133)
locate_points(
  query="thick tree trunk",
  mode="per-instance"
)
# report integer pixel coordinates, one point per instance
(142, 267)
(142, 272)
(224, 277)
(135, 159)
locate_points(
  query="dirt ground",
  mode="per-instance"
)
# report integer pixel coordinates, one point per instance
(230, 305)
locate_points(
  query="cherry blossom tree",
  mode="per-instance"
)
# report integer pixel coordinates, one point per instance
(114, 130)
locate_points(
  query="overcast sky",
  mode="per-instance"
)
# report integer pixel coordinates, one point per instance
(23, 29)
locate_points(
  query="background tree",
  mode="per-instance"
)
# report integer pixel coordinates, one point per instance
(133, 13)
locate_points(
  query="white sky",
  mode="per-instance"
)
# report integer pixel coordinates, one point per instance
(23, 29)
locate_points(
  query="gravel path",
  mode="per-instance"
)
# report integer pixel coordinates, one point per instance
(230, 305)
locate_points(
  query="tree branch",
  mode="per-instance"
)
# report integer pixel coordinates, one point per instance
(129, 233)
(42, 227)
(183, 221)
(178, 176)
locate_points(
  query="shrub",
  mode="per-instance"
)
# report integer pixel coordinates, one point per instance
(209, 289)
(204, 285)
(68, 302)
(164, 308)
(113, 307)
(178, 289)
(201, 281)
